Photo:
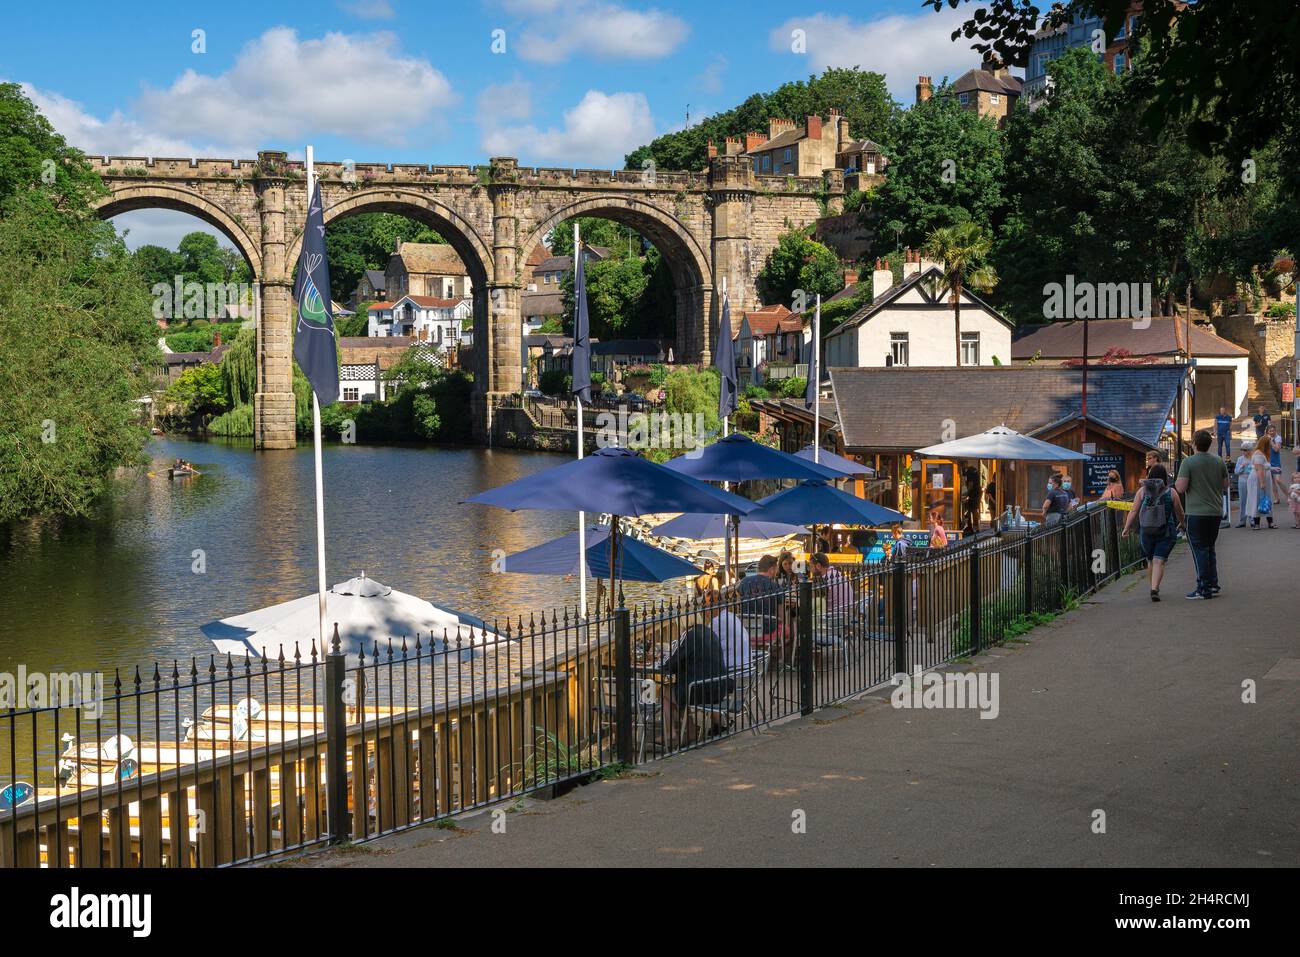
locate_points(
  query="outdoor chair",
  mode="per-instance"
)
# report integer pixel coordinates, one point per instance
(742, 699)
(644, 713)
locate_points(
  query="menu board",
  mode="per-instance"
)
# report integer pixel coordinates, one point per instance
(1097, 468)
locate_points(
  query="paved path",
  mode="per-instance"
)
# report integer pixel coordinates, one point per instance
(1125, 706)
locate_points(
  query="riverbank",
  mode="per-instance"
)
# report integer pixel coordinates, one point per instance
(1122, 706)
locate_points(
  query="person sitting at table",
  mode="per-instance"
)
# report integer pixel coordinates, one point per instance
(731, 631)
(1114, 490)
(830, 585)
(938, 534)
(696, 673)
(761, 596)
(708, 580)
(786, 575)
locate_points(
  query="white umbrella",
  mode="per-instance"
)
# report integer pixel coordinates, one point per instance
(366, 612)
(1001, 442)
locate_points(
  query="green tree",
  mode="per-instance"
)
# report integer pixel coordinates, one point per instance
(157, 264)
(34, 156)
(198, 391)
(962, 250)
(799, 262)
(946, 168)
(596, 231)
(861, 96)
(201, 258)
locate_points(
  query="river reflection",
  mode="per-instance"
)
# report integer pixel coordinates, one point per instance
(123, 588)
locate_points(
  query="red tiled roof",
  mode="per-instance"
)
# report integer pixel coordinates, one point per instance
(428, 302)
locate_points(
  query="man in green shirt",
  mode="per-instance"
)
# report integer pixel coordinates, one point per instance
(1202, 480)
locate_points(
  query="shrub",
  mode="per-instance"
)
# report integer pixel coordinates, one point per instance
(793, 387)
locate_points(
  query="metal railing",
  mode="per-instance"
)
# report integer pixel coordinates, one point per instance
(228, 761)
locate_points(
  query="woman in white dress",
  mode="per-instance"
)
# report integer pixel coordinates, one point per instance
(1260, 491)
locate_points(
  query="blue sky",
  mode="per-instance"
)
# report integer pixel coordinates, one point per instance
(578, 83)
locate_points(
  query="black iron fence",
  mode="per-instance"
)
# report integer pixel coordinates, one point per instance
(225, 761)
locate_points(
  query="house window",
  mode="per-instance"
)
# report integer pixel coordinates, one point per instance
(963, 99)
(970, 348)
(756, 165)
(767, 162)
(898, 348)
(1119, 63)
(787, 156)
(351, 394)
(994, 99)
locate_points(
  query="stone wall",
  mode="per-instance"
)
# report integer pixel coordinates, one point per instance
(1271, 343)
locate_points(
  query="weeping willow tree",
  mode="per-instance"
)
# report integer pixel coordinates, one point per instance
(239, 380)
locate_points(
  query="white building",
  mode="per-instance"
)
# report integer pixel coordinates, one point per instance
(911, 324)
(423, 318)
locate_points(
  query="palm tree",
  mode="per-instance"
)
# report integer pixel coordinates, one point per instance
(960, 251)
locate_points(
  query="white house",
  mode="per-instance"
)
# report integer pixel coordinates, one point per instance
(911, 324)
(424, 318)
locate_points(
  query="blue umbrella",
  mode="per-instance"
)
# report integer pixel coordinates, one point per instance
(738, 458)
(817, 501)
(837, 462)
(715, 526)
(617, 481)
(613, 480)
(637, 561)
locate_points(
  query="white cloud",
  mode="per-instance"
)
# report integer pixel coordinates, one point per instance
(281, 88)
(599, 131)
(369, 9)
(901, 47)
(507, 101)
(534, 7)
(118, 135)
(605, 32)
(710, 78)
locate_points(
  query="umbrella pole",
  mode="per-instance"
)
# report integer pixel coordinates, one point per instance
(613, 561)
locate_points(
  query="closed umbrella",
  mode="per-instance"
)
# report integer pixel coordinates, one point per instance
(637, 561)
(366, 612)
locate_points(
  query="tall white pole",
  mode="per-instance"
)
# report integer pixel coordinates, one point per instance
(817, 392)
(582, 516)
(320, 480)
(726, 422)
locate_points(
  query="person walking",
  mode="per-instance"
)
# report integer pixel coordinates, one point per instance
(1293, 496)
(1262, 421)
(1223, 432)
(1158, 515)
(1202, 480)
(1242, 474)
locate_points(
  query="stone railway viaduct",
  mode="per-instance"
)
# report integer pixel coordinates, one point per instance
(709, 226)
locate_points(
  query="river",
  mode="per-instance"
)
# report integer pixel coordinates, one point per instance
(124, 588)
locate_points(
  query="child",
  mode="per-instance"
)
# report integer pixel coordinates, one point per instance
(1294, 497)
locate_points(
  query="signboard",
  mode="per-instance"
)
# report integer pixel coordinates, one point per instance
(1288, 392)
(1097, 468)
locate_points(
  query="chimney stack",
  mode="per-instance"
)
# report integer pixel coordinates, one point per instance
(775, 127)
(993, 64)
(882, 279)
(813, 127)
(713, 150)
(850, 277)
(924, 89)
(753, 141)
(911, 263)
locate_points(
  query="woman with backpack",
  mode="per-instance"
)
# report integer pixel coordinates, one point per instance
(1158, 513)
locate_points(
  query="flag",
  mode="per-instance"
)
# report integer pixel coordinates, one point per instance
(814, 373)
(725, 360)
(313, 341)
(581, 330)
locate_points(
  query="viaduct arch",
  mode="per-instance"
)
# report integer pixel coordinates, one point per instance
(709, 225)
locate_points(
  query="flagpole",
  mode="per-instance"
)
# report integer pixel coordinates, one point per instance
(814, 368)
(726, 422)
(582, 516)
(320, 479)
